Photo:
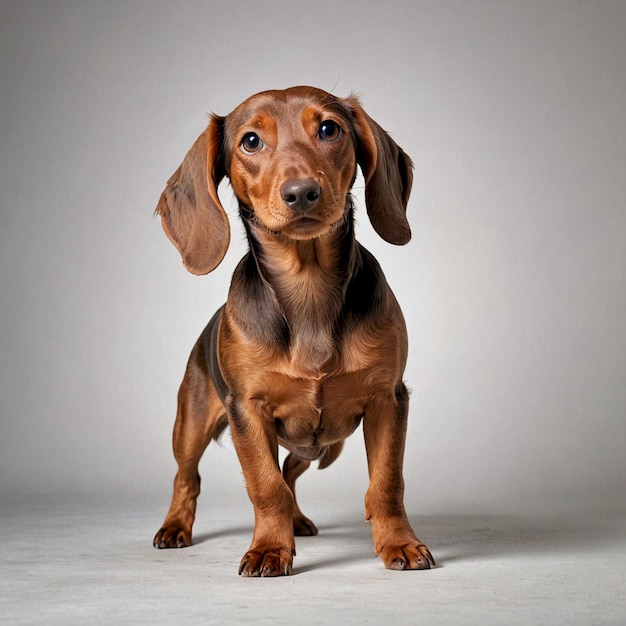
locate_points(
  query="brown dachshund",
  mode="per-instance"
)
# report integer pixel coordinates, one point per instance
(311, 341)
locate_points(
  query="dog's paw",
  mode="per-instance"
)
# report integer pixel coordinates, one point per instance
(409, 556)
(303, 527)
(270, 562)
(172, 537)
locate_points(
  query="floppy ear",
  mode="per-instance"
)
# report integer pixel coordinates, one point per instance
(191, 213)
(388, 174)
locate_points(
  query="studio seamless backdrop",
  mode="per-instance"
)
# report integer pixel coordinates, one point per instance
(513, 285)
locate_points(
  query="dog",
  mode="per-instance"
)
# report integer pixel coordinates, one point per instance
(311, 342)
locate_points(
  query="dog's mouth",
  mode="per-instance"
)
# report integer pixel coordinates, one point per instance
(307, 222)
(305, 227)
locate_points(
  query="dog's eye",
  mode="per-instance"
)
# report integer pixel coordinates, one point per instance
(329, 131)
(251, 143)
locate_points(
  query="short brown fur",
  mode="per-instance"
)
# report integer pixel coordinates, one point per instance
(311, 341)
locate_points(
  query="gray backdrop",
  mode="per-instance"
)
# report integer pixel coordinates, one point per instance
(513, 285)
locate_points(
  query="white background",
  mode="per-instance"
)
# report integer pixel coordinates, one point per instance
(513, 286)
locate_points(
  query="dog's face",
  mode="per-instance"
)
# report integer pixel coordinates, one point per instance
(291, 161)
(291, 157)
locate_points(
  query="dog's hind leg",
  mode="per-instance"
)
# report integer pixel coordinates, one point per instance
(293, 468)
(200, 418)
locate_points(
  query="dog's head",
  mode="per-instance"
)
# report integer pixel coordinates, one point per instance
(291, 158)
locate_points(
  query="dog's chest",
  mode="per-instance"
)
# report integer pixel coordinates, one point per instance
(314, 413)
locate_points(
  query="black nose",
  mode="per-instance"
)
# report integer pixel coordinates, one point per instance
(300, 194)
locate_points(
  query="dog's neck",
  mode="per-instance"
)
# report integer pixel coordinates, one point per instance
(308, 279)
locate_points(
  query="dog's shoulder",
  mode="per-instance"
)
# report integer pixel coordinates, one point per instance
(367, 292)
(252, 304)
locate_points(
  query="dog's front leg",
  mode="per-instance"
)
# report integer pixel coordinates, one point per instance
(384, 427)
(273, 547)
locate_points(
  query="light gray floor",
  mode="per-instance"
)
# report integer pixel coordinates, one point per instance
(74, 561)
